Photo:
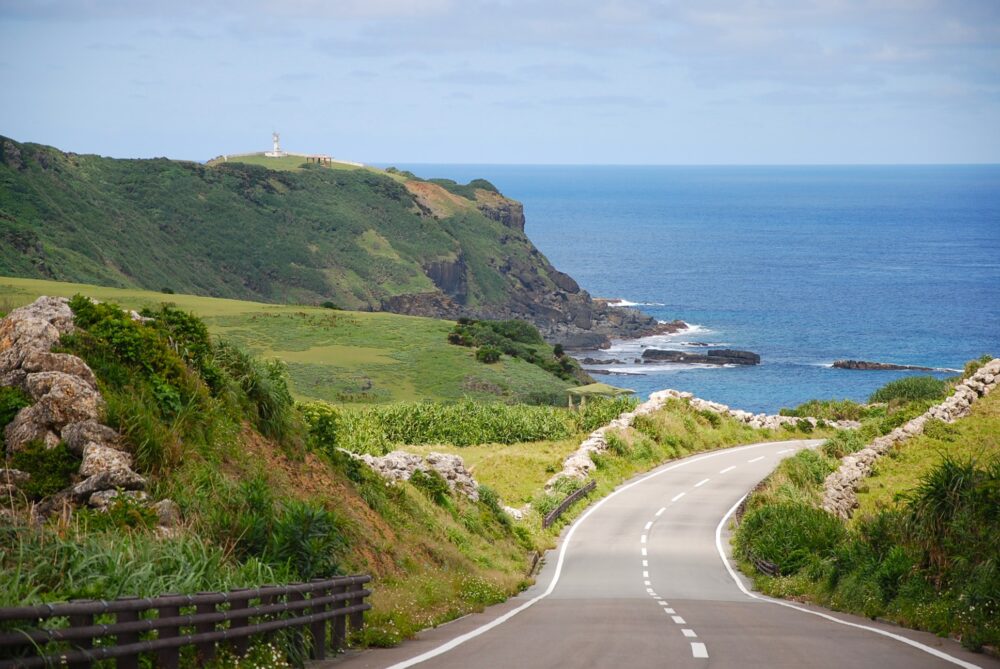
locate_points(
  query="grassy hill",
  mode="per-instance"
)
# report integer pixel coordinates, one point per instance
(338, 356)
(282, 232)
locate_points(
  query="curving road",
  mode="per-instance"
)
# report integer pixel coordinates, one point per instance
(640, 581)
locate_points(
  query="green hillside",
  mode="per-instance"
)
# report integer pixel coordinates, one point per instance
(339, 356)
(361, 238)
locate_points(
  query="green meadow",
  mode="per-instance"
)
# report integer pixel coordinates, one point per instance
(332, 355)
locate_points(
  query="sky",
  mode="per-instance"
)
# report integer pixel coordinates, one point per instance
(509, 81)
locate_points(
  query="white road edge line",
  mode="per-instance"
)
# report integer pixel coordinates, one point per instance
(728, 469)
(698, 649)
(678, 496)
(898, 637)
(496, 622)
(701, 483)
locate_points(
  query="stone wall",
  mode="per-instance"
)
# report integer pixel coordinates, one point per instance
(400, 465)
(67, 407)
(840, 488)
(579, 463)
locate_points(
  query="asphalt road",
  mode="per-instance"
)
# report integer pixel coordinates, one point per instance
(638, 581)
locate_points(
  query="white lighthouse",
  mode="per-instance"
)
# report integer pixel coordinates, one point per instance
(276, 151)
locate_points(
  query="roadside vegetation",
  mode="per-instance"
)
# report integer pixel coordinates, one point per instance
(267, 496)
(922, 548)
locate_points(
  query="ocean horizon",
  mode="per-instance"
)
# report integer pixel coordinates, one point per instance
(803, 265)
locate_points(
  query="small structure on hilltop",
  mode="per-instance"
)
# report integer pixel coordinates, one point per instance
(275, 151)
(595, 390)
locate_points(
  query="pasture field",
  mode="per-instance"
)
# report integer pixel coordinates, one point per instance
(332, 355)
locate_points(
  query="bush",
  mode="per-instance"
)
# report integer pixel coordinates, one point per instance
(828, 410)
(844, 442)
(601, 411)
(973, 366)
(431, 484)
(265, 387)
(308, 539)
(488, 354)
(12, 400)
(788, 535)
(911, 388)
(51, 469)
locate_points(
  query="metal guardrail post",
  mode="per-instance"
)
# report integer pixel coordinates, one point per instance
(358, 617)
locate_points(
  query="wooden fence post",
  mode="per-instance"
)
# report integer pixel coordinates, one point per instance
(168, 658)
(82, 620)
(126, 638)
(240, 601)
(340, 622)
(205, 650)
(319, 627)
(358, 617)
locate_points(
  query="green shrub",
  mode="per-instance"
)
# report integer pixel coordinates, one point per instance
(50, 468)
(973, 366)
(12, 400)
(807, 468)
(788, 535)
(601, 411)
(264, 385)
(307, 538)
(911, 388)
(844, 442)
(488, 354)
(433, 485)
(828, 410)
(124, 513)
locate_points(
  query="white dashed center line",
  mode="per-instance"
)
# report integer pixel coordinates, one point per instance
(698, 650)
(787, 450)
(728, 469)
(756, 459)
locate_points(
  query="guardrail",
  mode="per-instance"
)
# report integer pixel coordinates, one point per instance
(565, 504)
(78, 633)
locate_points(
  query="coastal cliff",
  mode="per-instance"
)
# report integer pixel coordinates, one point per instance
(355, 238)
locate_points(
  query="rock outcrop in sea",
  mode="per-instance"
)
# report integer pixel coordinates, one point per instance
(715, 356)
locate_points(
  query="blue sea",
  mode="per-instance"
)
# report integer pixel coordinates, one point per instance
(803, 265)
